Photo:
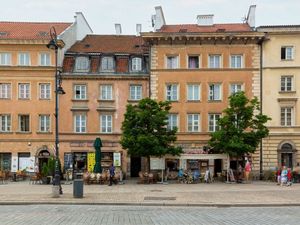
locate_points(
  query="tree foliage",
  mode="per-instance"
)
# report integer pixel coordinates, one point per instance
(145, 130)
(241, 127)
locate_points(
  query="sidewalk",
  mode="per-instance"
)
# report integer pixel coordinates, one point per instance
(215, 194)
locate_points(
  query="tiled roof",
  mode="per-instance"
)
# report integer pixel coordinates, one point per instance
(194, 28)
(29, 30)
(127, 44)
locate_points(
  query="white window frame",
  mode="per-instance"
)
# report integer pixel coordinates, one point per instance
(135, 92)
(82, 88)
(5, 90)
(174, 63)
(193, 122)
(213, 122)
(284, 120)
(234, 61)
(288, 55)
(5, 58)
(284, 83)
(5, 123)
(170, 93)
(212, 61)
(172, 121)
(82, 64)
(233, 88)
(211, 93)
(24, 59)
(80, 121)
(106, 123)
(106, 92)
(44, 123)
(136, 64)
(45, 91)
(192, 94)
(20, 122)
(24, 90)
(45, 59)
(107, 64)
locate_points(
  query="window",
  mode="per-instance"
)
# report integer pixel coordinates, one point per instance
(214, 61)
(45, 59)
(172, 92)
(135, 92)
(193, 122)
(44, 91)
(136, 64)
(24, 59)
(5, 123)
(234, 88)
(24, 91)
(106, 123)
(214, 92)
(107, 64)
(286, 116)
(172, 121)
(172, 62)
(106, 92)
(193, 92)
(236, 61)
(5, 91)
(82, 64)
(213, 122)
(5, 59)
(44, 123)
(286, 83)
(193, 62)
(80, 92)
(24, 123)
(80, 123)
(287, 53)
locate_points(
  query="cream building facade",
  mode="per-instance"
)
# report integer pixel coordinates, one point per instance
(281, 92)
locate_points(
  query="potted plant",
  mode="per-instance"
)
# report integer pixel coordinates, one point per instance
(45, 173)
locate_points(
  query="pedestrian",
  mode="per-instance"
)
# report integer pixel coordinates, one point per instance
(111, 174)
(247, 170)
(289, 177)
(284, 173)
(278, 176)
(207, 176)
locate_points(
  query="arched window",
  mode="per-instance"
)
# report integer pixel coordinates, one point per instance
(287, 147)
(82, 64)
(136, 64)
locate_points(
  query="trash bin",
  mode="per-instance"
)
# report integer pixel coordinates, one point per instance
(78, 186)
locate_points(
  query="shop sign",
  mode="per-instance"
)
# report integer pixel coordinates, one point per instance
(14, 163)
(117, 159)
(91, 161)
(26, 163)
(157, 163)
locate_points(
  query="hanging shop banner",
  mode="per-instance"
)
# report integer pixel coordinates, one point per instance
(26, 163)
(14, 163)
(157, 163)
(91, 161)
(117, 159)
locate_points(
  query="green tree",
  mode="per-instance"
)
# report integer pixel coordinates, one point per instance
(241, 127)
(145, 130)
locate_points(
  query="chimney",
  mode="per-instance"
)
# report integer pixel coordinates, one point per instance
(205, 20)
(138, 29)
(251, 16)
(118, 28)
(158, 20)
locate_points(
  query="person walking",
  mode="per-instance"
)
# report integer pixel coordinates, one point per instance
(279, 176)
(247, 170)
(284, 173)
(111, 174)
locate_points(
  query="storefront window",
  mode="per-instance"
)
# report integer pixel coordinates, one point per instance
(5, 161)
(80, 162)
(172, 164)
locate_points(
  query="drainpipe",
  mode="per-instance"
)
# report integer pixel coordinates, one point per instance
(261, 108)
(150, 62)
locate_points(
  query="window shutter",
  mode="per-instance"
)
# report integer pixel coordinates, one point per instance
(283, 53)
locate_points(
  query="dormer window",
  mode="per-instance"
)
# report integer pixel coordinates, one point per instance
(136, 64)
(82, 64)
(107, 64)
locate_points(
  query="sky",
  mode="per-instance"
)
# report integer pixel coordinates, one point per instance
(103, 14)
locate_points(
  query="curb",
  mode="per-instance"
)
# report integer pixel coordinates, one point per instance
(212, 205)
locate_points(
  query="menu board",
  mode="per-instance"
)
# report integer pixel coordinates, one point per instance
(14, 164)
(157, 163)
(91, 161)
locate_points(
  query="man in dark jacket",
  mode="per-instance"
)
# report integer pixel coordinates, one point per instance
(111, 174)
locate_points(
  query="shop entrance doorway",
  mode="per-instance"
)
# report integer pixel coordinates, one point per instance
(135, 166)
(218, 166)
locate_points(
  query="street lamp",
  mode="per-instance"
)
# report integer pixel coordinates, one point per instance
(55, 44)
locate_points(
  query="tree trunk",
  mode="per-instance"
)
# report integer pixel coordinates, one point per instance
(148, 164)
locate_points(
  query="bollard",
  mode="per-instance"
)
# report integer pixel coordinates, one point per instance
(55, 191)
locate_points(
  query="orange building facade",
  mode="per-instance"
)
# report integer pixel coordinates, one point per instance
(197, 67)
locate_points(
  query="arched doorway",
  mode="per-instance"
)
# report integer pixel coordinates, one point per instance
(42, 156)
(286, 154)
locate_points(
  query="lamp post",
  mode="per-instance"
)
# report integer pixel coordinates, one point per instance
(55, 44)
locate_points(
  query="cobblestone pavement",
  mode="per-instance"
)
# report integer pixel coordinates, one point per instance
(145, 215)
(257, 193)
